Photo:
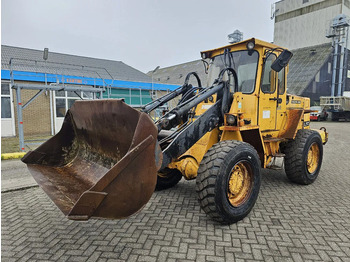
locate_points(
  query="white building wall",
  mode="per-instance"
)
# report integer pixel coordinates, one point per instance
(346, 11)
(304, 30)
(285, 6)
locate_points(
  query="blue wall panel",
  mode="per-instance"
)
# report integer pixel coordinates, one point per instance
(67, 79)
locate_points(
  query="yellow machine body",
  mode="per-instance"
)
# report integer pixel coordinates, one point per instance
(264, 119)
(108, 158)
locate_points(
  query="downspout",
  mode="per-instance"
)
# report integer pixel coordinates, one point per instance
(335, 61)
(52, 113)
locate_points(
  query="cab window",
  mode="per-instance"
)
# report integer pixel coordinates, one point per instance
(281, 82)
(244, 62)
(268, 84)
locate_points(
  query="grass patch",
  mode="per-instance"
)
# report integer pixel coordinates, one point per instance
(11, 144)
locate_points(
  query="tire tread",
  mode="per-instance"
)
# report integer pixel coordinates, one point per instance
(207, 173)
(293, 151)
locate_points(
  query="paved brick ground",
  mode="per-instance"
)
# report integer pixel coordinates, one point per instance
(15, 175)
(288, 223)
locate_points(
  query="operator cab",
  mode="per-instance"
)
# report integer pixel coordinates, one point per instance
(243, 57)
(261, 69)
(244, 62)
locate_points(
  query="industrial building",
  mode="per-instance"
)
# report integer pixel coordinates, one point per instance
(317, 32)
(48, 86)
(309, 23)
(305, 23)
(310, 72)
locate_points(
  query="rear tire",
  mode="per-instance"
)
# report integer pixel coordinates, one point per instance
(228, 181)
(168, 178)
(303, 157)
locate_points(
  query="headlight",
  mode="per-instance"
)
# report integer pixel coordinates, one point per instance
(230, 120)
(250, 45)
(204, 55)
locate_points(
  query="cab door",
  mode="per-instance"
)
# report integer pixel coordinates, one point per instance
(281, 103)
(268, 97)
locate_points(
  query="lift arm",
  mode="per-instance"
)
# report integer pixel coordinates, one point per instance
(182, 90)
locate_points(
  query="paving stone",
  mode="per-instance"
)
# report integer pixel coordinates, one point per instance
(288, 223)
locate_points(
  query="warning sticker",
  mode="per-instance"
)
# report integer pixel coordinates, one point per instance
(206, 106)
(266, 114)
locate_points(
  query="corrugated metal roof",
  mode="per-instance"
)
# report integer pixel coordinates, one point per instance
(304, 65)
(25, 59)
(176, 74)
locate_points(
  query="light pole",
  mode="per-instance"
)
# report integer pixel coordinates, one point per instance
(152, 79)
(52, 117)
(45, 57)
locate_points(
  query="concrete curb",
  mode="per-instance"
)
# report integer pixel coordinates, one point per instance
(16, 155)
(18, 188)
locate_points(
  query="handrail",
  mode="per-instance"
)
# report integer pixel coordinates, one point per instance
(55, 65)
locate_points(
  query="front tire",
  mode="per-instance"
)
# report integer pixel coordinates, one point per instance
(167, 179)
(228, 181)
(303, 157)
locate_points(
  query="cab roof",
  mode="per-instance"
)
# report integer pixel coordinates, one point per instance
(258, 43)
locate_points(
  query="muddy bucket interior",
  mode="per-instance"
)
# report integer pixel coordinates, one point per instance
(103, 162)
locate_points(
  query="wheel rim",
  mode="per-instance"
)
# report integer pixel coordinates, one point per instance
(313, 158)
(240, 183)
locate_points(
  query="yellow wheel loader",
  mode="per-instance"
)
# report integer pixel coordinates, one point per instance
(108, 158)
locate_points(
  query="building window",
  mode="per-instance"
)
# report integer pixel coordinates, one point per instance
(305, 1)
(65, 100)
(133, 97)
(60, 107)
(5, 101)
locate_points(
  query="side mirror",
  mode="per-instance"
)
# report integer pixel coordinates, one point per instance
(282, 60)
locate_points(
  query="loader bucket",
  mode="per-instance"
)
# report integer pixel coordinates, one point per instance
(103, 163)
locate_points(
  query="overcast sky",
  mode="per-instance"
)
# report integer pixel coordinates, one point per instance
(141, 33)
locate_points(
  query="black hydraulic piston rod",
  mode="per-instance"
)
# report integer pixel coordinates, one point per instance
(162, 100)
(173, 118)
(178, 91)
(182, 109)
(185, 107)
